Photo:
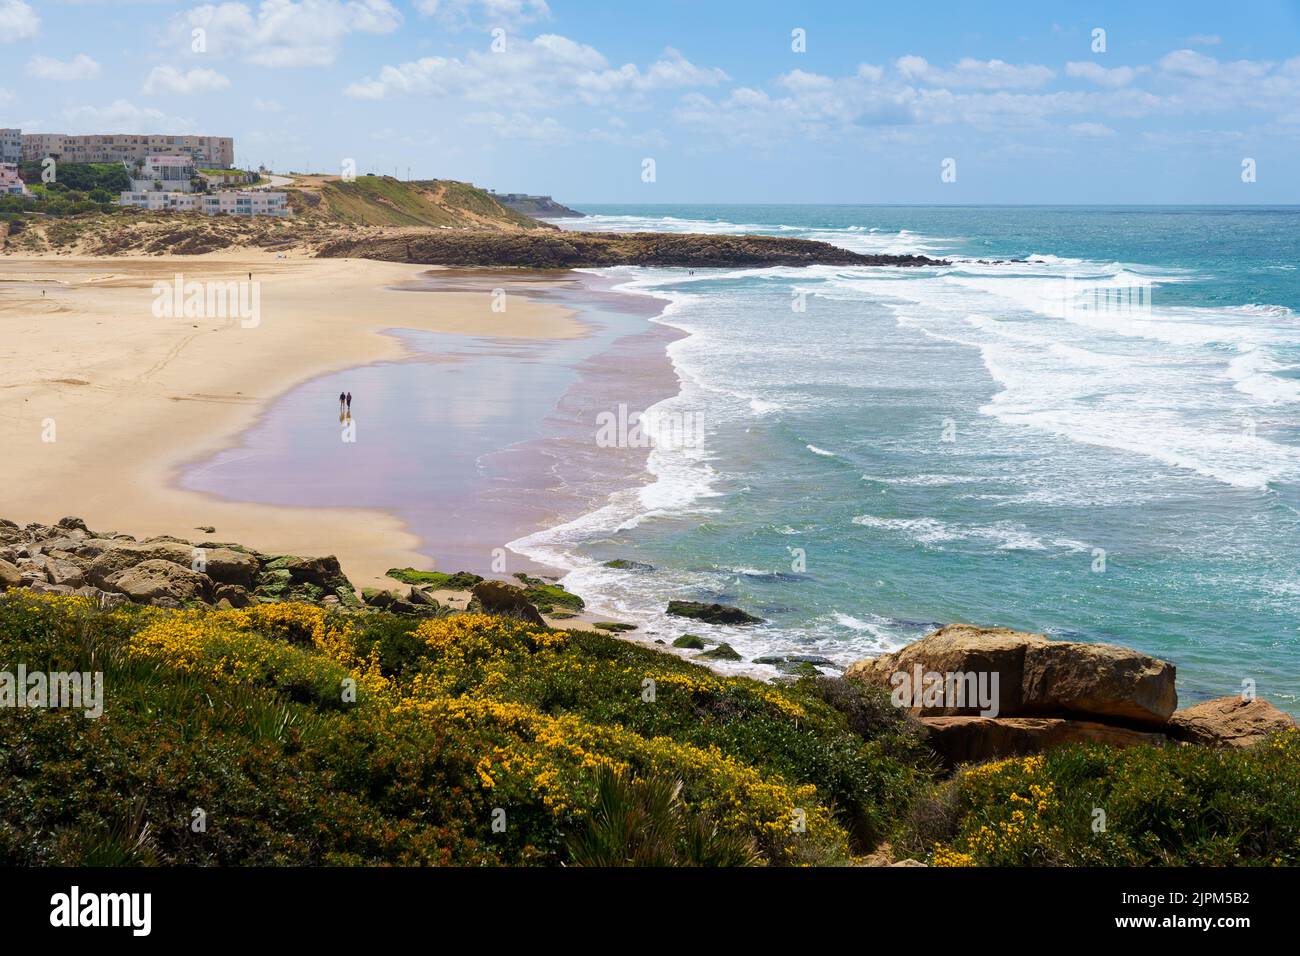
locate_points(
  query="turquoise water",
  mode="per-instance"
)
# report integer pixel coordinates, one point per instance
(1102, 443)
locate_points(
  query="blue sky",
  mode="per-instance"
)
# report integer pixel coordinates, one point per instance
(712, 90)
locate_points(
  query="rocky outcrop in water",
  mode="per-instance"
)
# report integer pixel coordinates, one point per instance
(568, 250)
(711, 613)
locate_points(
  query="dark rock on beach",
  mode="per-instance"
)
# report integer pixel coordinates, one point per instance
(506, 600)
(712, 613)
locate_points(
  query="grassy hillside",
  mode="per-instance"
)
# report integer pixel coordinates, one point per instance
(325, 209)
(476, 740)
(385, 201)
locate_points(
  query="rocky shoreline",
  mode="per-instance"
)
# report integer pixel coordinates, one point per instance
(978, 693)
(570, 250)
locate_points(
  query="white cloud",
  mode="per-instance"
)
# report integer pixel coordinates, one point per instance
(168, 79)
(915, 96)
(122, 116)
(546, 70)
(520, 126)
(1096, 73)
(80, 67)
(18, 21)
(462, 14)
(283, 33)
(1204, 39)
(1092, 130)
(978, 74)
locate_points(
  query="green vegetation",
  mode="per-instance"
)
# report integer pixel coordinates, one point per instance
(460, 581)
(385, 201)
(547, 597)
(599, 752)
(1143, 806)
(79, 177)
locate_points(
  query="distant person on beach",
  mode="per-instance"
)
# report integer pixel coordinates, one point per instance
(349, 397)
(342, 399)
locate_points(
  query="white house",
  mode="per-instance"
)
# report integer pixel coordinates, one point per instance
(10, 183)
(163, 174)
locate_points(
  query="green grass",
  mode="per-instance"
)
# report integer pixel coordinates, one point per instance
(385, 201)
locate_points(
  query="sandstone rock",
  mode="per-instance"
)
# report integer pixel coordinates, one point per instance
(64, 572)
(44, 587)
(117, 556)
(1098, 679)
(232, 595)
(158, 579)
(968, 739)
(506, 600)
(711, 613)
(74, 524)
(10, 576)
(1036, 676)
(958, 648)
(1228, 722)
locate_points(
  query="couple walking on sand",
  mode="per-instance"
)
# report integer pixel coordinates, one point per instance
(345, 398)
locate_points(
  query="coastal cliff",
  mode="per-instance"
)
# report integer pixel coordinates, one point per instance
(327, 731)
(567, 250)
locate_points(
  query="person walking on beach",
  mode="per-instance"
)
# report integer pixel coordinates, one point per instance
(349, 398)
(342, 399)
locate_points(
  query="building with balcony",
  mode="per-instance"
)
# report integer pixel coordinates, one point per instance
(225, 203)
(214, 152)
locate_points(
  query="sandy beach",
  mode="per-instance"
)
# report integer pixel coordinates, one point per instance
(105, 400)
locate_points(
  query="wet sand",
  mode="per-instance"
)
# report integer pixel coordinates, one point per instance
(105, 402)
(469, 441)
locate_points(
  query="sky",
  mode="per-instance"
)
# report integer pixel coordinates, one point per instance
(733, 101)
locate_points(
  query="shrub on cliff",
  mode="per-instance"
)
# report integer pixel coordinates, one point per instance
(301, 736)
(1140, 806)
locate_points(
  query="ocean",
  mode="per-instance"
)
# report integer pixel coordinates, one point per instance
(1100, 441)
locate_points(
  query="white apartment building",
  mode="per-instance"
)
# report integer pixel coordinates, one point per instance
(216, 152)
(11, 146)
(225, 203)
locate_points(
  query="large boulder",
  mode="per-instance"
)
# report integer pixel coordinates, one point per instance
(10, 576)
(161, 581)
(711, 613)
(227, 565)
(323, 572)
(1098, 679)
(1035, 676)
(220, 564)
(506, 600)
(1229, 722)
(117, 556)
(957, 648)
(63, 571)
(969, 739)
